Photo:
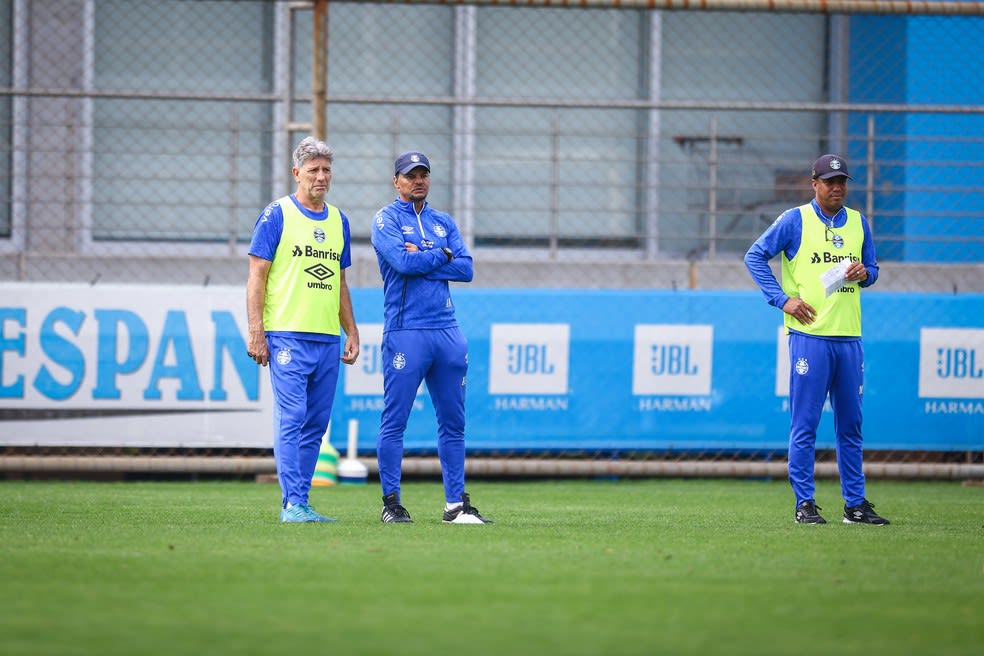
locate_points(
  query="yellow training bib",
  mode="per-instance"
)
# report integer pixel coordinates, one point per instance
(302, 290)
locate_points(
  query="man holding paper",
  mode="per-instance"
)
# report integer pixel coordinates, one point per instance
(828, 256)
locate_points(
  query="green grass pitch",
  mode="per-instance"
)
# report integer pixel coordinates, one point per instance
(569, 567)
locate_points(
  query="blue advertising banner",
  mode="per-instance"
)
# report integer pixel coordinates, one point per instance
(565, 370)
(604, 369)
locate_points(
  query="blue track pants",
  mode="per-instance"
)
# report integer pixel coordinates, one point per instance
(304, 375)
(440, 357)
(819, 367)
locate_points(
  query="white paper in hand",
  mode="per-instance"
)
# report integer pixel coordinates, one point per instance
(835, 277)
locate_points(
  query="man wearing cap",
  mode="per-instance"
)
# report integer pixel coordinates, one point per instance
(828, 256)
(420, 250)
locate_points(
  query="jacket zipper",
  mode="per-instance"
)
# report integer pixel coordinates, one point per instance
(403, 301)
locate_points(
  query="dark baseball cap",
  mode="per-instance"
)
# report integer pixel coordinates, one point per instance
(830, 166)
(409, 161)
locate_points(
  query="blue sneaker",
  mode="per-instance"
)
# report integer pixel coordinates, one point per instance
(302, 513)
(294, 515)
(315, 516)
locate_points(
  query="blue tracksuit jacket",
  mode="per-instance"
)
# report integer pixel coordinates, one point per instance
(415, 285)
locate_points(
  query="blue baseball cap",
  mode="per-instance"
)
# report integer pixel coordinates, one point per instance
(411, 160)
(830, 166)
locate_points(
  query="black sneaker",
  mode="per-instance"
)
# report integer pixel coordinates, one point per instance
(465, 513)
(863, 513)
(393, 512)
(806, 513)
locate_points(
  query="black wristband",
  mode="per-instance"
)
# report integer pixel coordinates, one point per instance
(447, 251)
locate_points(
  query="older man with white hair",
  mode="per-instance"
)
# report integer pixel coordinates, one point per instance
(297, 302)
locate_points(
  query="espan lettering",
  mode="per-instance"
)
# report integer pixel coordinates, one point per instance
(122, 346)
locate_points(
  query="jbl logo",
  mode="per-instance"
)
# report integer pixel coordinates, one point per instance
(521, 365)
(951, 363)
(371, 359)
(957, 363)
(365, 377)
(529, 359)
(672, 360)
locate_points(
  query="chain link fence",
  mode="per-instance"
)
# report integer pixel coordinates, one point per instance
(653, 145)
(656, 138)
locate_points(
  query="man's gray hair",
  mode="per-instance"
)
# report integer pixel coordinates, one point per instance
(311, 147)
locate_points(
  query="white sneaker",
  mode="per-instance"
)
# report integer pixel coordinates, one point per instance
(465, 513)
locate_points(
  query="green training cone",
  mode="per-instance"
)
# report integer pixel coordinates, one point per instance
(326, 469)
